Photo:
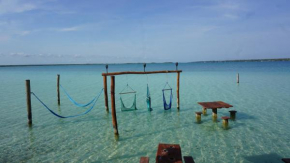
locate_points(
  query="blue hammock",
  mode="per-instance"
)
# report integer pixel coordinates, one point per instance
(167, 106)
(71, 115)
(148, 99)
(74, 102)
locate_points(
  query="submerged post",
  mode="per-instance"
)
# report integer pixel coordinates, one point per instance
(198, 116)
(28, 102)
(106, 93)
(58, 94)
(177, 90)
(238, 78)
(114, 117)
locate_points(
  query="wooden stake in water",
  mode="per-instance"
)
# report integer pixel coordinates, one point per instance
(28, 102)
(114, 117)
(198, 116)
(57, 89)
(177, 90)
(106, 93)
(238, 78)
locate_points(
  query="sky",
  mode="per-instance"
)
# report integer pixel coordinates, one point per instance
(126, 31)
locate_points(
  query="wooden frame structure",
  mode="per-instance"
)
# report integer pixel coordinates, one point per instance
(113, 74)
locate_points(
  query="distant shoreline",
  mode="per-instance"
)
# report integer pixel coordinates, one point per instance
(213, 61)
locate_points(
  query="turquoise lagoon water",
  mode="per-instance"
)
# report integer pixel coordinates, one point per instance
(259, 134)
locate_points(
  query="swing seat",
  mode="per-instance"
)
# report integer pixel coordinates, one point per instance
(123, 107)
(133, 107)
(165, 105)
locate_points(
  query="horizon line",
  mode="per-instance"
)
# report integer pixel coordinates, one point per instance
(66, 64)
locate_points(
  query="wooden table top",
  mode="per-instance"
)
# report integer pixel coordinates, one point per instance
(214, 105)
(169, 153)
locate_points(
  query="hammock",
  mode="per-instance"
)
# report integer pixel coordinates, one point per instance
(167, 106)
(74, 102)
(123, 107)
(148, 100)
(71, 116)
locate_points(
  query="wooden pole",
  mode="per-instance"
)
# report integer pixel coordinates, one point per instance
(106, 93)
(28, 102)
(114, 117)
(144, 65)
(238, 78)
(58, 94)
(177, 90)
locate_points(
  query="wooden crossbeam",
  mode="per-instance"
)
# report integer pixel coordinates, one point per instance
(140, 72)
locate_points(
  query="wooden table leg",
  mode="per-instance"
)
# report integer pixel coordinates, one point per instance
(204, 111)
(214, 114)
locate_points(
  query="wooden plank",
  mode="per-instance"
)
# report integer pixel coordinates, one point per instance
(168, 153)
(214, 105)
(144, 160)
(188, 159)
(140, 72)
(127, 92)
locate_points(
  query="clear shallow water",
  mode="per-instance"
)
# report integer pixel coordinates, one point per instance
(259, 134)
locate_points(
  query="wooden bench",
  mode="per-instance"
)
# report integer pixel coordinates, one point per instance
(198, 116)
(188, 159)
(168, 153)
(144, 160)
(225, 121)
(233, 114)
(286, 160)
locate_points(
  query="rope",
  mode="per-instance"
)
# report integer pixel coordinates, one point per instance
(167, 84)
(71, 116)
(74, 102)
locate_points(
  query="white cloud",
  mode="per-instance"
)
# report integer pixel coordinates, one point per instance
(15, 6)
(69, 29)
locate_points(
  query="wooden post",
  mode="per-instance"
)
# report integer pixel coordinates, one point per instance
(144, 65)
(58, 94)
(177, 90)
(214, 114)
(106, 93)
(204, 111)
(198, 116)
(114, 117)
(28, 102)
(225, 122)
(238, 78)
(233, 114)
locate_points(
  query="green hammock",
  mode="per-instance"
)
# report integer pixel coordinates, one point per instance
(123, 107)
(148, 99)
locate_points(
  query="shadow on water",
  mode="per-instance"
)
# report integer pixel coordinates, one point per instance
(271, 157)
(138, 155)
(239, 115)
